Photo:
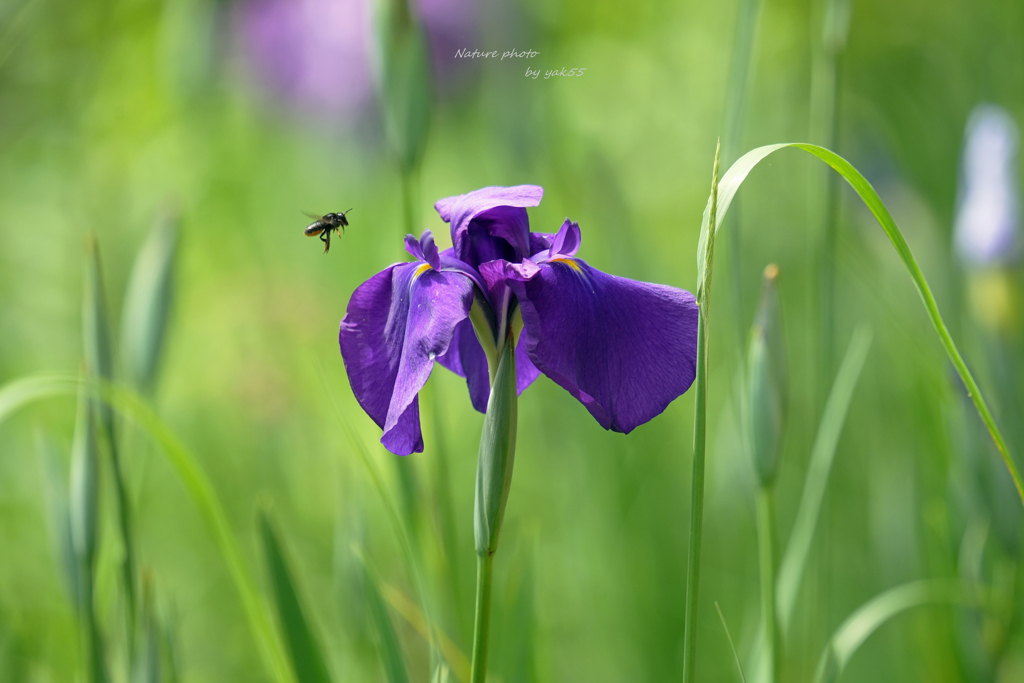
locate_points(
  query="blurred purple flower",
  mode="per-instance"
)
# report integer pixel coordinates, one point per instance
(988, 207)
(315, 53)
(624, 349)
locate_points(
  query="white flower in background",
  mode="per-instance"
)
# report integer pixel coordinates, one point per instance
(988, 211)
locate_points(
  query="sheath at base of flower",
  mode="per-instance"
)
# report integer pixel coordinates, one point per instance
(624, 349)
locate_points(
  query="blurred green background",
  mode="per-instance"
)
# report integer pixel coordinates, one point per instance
(235, 116)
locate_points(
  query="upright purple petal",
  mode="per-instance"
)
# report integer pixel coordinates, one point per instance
(567, 241)
(490, 223)
(625, 349)
(396, 324)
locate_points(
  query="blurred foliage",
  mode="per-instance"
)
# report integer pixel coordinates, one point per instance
(111, 109)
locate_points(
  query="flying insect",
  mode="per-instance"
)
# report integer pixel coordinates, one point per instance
(324, 225)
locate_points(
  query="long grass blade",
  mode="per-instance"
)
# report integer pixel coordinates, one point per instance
(387, 640)
(706, 255)
(84, 518)
(21, 392)
(99, 359)
(55, 492)
(147, 304)
(873, 614)
(735, 176)
(304, 647)
(406, 607)
(402, 532)
(732, 646)
(794, 560)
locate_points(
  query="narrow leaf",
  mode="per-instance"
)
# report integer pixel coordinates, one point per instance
(873, 614)
(99, 362)
(732, 646)
(147, 304)
(303, 646)
(387, 640)
(791, 569)
(735, 176)
(19, 393)
(55, 489)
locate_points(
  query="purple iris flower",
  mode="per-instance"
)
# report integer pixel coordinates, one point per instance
(624, 349)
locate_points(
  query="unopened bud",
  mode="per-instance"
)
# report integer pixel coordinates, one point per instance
(766, 382)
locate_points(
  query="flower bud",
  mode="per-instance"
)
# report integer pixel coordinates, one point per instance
(766, 382)
(497, 453)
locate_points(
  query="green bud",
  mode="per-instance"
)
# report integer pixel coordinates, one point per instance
(404, 80)
(147, 303)
(766, 382)
(497, 453)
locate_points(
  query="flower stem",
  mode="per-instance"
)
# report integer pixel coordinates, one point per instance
(766, 558)
(706, 258)
(493, 480)
(482, 620)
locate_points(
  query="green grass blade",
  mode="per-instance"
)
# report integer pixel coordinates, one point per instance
(732, 646)
(859, 626)
(402, 532)
(99, 359)
(146, 663)
(147, 304)
(387, 640)
(303, 646)
(794, 560)
(83, 510)
(735, 176)
(705, 256)
(55, 493)
(21, 392)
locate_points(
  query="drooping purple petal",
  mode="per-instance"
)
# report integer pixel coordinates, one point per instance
(396, 324)
(466, 358)
(625, 349)
(490, 223)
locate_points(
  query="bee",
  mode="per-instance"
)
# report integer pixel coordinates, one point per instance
(324, 225)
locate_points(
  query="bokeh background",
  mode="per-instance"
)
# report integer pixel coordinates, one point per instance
(231, 117)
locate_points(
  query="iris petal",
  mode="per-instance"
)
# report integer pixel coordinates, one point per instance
(623, 348)
(491, 212)
(396, 324)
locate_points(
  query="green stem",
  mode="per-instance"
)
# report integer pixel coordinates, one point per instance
(706, 255)
(125, 522)
(482, 620)
(696, 505)
(409, 199)
(766, 558)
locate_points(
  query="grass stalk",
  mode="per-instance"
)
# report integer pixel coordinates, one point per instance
(740, 68)
(766, 565)
(706, 258)
(738, 172)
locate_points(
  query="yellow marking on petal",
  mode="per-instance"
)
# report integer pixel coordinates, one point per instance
(419, 271)
(569, 262)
